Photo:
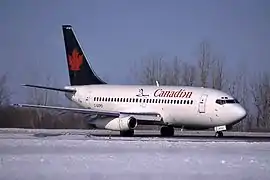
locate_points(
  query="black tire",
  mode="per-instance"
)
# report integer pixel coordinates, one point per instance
(128, 133)
(167, 131)
(219, 134)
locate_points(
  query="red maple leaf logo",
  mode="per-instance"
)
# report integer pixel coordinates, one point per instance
(75, 60)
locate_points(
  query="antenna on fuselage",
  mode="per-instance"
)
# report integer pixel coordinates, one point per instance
(157, 83)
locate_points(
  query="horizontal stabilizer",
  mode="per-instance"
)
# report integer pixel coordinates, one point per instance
(50, 88)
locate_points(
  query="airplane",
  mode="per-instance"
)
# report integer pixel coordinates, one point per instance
(123, 107)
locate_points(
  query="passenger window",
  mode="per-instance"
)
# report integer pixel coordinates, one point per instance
(187, 101)
(191, 102)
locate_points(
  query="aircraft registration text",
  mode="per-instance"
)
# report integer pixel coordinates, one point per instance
(98, 105)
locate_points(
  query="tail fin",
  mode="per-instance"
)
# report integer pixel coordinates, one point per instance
(80, 71)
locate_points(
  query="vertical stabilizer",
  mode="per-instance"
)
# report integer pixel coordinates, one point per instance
(80, 71)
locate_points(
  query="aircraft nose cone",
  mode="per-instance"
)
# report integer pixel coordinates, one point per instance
(241, 113)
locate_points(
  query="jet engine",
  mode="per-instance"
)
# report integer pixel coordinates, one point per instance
(117, 124)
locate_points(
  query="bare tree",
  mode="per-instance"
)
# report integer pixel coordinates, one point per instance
(188, 74)
(172, 75)
(217, 75)
(238, 88)
(151, 70)
(4, 92)
(157, 69)
(260, 90)
(40, 117)
(204, 63)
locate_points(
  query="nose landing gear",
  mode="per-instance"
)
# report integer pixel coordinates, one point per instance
(219, 130)
(219, 134)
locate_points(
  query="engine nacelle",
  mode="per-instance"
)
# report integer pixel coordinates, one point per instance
(117, 124)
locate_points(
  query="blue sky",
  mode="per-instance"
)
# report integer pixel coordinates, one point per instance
(115, 34)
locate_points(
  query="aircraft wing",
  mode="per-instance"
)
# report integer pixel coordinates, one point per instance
(153, 116)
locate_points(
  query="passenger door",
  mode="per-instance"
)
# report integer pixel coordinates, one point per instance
(202, 103)
(88, 100)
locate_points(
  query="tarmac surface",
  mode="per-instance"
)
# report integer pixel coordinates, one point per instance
(29, 154)
(179, 135)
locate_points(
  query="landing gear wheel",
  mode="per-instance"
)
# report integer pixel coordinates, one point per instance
(219, 134)
(167, 131)
(128, 133)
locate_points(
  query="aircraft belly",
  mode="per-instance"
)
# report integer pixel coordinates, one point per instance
(187, 117)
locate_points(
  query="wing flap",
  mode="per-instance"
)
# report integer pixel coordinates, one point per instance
(75, 110)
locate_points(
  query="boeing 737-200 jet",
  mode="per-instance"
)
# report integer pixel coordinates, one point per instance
(123, 107)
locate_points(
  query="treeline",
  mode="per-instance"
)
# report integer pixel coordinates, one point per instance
(207, 70)
(11, 117)
(252, 89)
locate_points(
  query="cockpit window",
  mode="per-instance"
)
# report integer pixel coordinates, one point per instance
(230, 101)
(227, 101)
(219, 101)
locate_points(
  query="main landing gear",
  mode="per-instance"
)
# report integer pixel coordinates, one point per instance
(166, 131)
(128, 133)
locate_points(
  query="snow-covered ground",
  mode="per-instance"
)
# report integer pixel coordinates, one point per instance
(103, 158)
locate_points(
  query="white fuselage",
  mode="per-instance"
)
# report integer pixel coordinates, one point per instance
(179, 106)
